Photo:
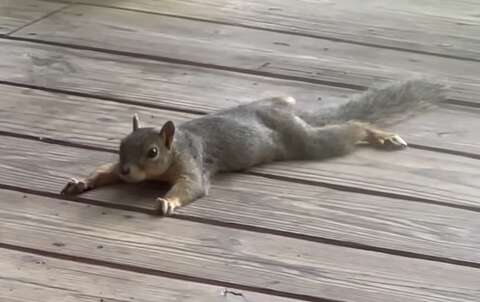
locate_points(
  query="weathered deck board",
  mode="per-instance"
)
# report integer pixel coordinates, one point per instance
(26, 277)
(282, 206)
(266, 261)
(412, 173)
(144, 81)
(183, 87)
(448, 128)
(277, 229)
(77, 119)
(249, 50)
(17, 13)
(439, 27)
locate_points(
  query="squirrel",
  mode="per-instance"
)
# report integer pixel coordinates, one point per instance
(263, 131)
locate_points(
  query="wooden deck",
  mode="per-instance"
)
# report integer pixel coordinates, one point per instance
(370, 227)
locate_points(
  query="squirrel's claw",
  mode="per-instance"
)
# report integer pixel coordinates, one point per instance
(74, 186)
(165, 207)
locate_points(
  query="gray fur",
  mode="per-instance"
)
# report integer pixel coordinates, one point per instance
(135, 122)
(383, 105)
(270, 130)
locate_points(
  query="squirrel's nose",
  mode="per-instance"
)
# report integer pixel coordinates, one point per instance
(124, 170)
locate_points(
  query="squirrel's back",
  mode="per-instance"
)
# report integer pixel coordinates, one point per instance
(277, 129)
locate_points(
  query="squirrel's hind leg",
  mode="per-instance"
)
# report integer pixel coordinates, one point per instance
(275, 101)
(334, 140)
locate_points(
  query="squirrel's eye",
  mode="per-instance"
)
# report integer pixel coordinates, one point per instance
(152, 153)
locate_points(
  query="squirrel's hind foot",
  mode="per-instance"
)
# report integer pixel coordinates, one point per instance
(386, 140)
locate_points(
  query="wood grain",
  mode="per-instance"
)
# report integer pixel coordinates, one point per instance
(26, 277)
(278, 206)
(450, 127)
(145, 81)
(76, 119)
(270, 257)
(250, 50)
(210, 252)
(445, 27)
(412, 173)
(17, 13)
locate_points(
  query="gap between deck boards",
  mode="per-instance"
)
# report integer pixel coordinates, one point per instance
(296, 63)
(252, 228)
(83, 223)
(166, 274)
(28, 277)
(143, 270)
(37, 20)
(219, 67)
(181, 61)
(273, 30)
(170, 108)
(334, 186)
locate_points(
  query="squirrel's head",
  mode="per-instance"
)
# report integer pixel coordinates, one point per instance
(146, 152)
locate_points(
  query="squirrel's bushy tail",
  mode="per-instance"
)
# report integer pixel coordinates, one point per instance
(384, 105)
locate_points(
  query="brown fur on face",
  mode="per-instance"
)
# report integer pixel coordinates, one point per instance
(146, 153)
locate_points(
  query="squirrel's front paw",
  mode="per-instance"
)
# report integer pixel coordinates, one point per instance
(166, 207)
(74, 187)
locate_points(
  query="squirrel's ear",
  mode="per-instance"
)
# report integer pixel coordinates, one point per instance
(136, 122)
(168, 130)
